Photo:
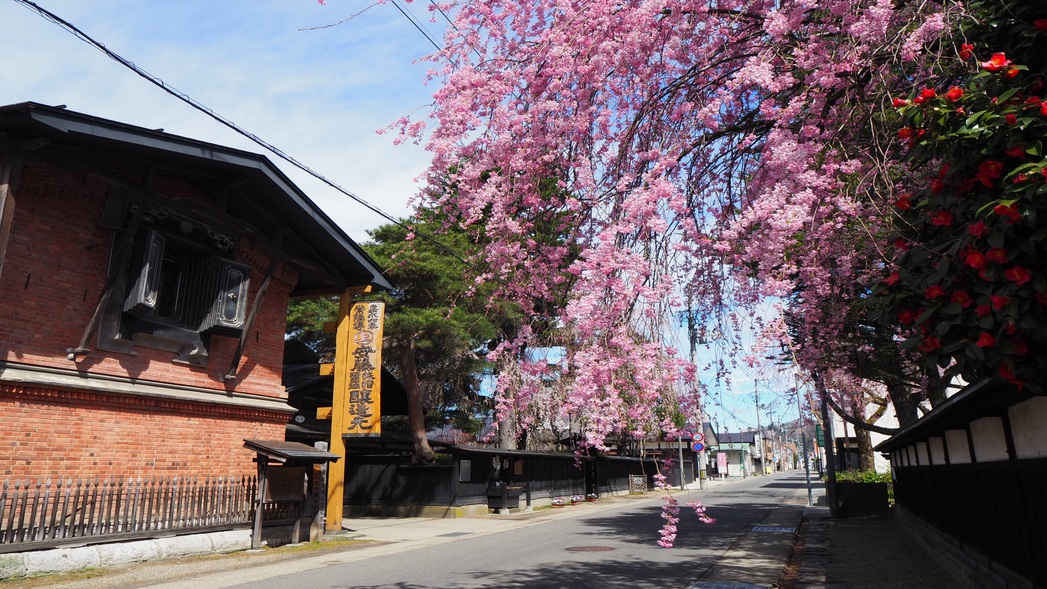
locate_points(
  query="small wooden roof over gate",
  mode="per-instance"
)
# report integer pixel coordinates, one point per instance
(289, 453)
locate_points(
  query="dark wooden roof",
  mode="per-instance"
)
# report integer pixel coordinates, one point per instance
(291, 452)
(255, 195)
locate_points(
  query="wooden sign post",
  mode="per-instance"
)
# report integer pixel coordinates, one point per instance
(355, 407)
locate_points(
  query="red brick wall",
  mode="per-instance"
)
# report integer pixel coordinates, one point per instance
(55, 433)
(54, 273)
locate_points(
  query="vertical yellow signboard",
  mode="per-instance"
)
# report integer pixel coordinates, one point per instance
(363, 381)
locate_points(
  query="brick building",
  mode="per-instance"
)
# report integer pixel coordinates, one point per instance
(144, 281)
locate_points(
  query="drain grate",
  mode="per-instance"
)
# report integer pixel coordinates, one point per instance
(774, 529)
(589, 549)
(715, 585)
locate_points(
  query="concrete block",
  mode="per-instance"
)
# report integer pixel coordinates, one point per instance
(231, 541)
(61, 560)
(12, 565)
(179, 546)
(128, 552)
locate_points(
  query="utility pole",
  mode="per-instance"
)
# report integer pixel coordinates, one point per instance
(759, 428)
(693, 337)
(830, 456)
(803, 440)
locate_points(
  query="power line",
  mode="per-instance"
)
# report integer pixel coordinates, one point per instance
(416, 24)
(228, 123)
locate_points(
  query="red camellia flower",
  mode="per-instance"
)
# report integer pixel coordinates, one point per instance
(1011, 74)
(1011, 119)
(925, 95)
(1006, 372)
(961, 298)
(982, 310)
(996, 254)
(1017, 151)
(933, 292)
(974, 259)
(985, 340)
(937, 186)
(941, 218)
(1019, 347)
(965, 51)
(930, 344)
(901, 243)
(906, 316)
(1009, 212)
(999, 302)
(1017, 275)
(997, 62)
(1040, 24)
(989, 171)
(954, 94)
(903, 203)
(1043, 108)
(893, 278)
(899, 102)
(978, 229)
(905, 132)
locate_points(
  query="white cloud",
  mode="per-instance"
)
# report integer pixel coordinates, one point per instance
(317, 95)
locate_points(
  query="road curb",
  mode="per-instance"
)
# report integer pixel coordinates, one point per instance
(67, 560)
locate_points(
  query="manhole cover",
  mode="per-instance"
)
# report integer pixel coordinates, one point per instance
(716, 585)
(589, 549)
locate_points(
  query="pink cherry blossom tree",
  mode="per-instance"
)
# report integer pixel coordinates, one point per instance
(706, 154)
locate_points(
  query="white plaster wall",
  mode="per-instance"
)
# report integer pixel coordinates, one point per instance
(959, 450)
(1028, 420)
(921, 454)
(937, 448)
(989, 442)
(910, 456)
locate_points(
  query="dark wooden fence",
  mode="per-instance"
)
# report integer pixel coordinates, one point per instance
(998, 509)
(45, 514)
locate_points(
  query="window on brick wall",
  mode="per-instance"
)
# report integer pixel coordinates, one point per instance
(181, 288)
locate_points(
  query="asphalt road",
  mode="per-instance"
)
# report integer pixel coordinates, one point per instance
(602, 550)
(607, 545)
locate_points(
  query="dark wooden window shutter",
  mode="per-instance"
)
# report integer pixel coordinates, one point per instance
(228, 309)
(145, 274)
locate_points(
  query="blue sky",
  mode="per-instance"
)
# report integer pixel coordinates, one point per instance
(318, 95)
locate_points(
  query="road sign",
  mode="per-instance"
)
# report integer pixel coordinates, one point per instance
(697, 437)
(697, 446)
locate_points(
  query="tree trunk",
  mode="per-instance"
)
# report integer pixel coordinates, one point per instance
(507, 439)
(423, 454)
(866, 458)
(905, 402)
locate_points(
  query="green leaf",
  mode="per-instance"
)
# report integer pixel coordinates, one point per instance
(1006, 95)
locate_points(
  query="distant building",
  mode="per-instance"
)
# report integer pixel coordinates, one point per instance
(737, 454)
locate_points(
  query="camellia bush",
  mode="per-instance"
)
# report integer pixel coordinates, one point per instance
(968, 283)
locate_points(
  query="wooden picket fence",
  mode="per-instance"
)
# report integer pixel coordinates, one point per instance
(47, 514)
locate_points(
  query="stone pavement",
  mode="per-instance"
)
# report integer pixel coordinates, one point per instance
(802, 549)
